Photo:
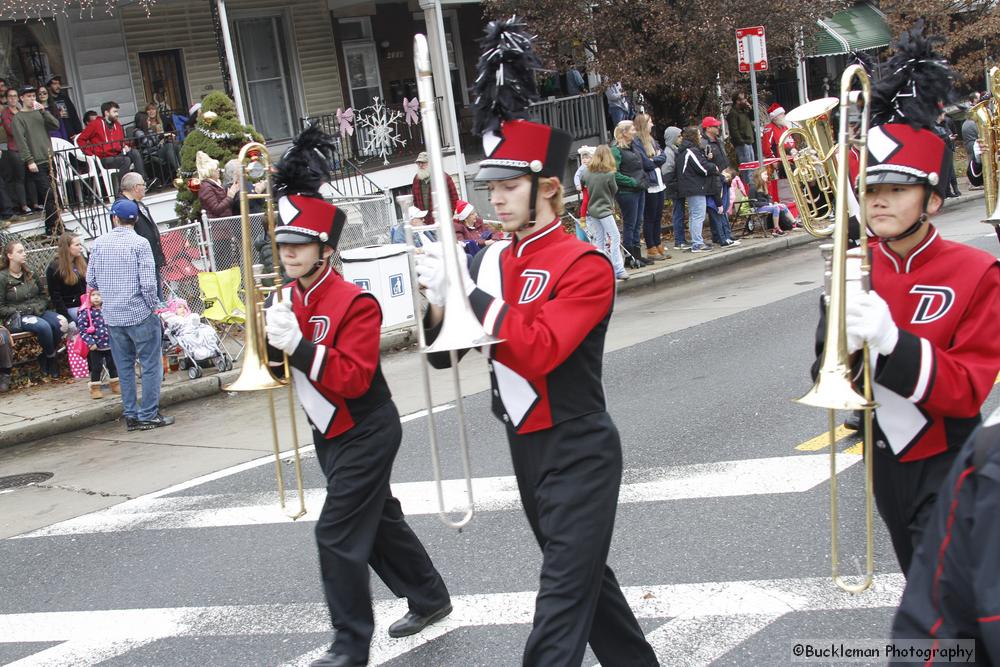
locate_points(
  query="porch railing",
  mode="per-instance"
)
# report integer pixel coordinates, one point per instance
(580, 115)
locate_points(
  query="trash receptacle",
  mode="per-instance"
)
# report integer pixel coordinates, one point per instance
(385, 272)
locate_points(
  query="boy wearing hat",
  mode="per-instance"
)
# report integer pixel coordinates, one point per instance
(548, 297)
(121, 268)
(330, 331)
(930, 319)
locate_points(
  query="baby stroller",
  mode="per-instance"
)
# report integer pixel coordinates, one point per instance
(193, 342)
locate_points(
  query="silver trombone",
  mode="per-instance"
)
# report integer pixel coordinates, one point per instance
(460, 329)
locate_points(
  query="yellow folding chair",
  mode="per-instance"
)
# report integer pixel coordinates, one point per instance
(220, 292)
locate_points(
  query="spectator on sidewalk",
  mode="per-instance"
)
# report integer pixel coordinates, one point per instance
(121, 267)
(781, 217)
(62, 107)
(24, 306)
(970, 131)
(470, 230)
(6, 359)
(94, 331)
(422, 188)
(602, 186)
(216, 199)
(718, 202)
(66, 276)
(104, 138)
(631, 197)
(696, 174)
(671, 141)
(652, 159)
(741, 131)
(944, 129)
(618, 104)
(418, 219)
(134, 189)
(586, 154)
(31, 131)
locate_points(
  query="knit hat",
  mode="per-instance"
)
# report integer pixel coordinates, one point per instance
(463, 210)
(775, 110)
(205, 165)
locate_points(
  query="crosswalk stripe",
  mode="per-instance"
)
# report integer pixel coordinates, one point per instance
(746, 477)
(706, 620)
(823, 441)
(857, 449)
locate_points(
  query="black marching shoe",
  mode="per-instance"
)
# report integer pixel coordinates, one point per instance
(853, 423)
(412, 622)
(158, 421)
(331, 659)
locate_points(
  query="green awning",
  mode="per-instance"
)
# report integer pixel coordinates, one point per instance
(856, 29)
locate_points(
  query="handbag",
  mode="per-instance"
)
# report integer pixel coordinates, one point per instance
(80, 347)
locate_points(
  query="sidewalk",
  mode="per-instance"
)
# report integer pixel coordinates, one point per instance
(63, 407)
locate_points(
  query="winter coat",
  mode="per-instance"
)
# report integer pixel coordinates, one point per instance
(64, 296)
(631, 177)
(147, 229)
(719, 157)
(21, 295)
(649, 164)
(696, 174)
(92, 327)
(740, 127)
(31, 130)
(603, 188)
(101, 139)
(670, 161)
(215, 200)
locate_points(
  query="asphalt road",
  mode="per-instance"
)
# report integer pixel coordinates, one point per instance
(721, 539)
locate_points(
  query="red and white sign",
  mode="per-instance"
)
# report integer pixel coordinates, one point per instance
(751, 41)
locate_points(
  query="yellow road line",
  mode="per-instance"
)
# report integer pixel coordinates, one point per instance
(823, 441)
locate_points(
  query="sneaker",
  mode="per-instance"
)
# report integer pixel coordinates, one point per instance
(701, 248)
(131, 424)
(682, 246)
(156, 422)
(730, 243)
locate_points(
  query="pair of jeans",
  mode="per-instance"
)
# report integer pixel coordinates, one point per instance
(632, 205)
(97, 360)
(653, 218)
(139, 342)
(721, 231)
(696, 218)
(46, 328)
(130, 161)
(744, 153)
(604, 232)
(678, 214)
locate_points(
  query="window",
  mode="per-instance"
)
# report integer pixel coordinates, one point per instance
(267, 80)
(30, 52)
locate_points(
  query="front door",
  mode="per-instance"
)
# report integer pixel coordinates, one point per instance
(263, 57)
(362, 73)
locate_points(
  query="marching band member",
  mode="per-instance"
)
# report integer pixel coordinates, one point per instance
(930, 319)
(330, 331)
(953, 591)
(549, 297)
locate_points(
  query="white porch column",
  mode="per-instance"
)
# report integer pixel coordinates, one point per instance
(227, 42)
(434, 20)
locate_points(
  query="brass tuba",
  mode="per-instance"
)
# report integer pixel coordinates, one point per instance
(256, 375)
(986, 115)
(834, 388)
(812, 177)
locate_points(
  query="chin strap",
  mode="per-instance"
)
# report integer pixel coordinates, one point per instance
(915, 227)
(317, 265)
(531, 209)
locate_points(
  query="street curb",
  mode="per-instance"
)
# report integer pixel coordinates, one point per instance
(395, 340)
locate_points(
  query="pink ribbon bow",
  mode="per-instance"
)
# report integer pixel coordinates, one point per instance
(345, 119)
(411, 107)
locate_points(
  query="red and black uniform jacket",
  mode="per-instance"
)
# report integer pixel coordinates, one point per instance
(945, 299)
(549, 297)
(101, 139)
(336, 370)
(953, 591)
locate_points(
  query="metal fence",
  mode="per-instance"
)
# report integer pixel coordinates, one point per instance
(187, 254)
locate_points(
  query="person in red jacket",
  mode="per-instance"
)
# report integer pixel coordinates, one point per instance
(330, 331)
(930, 320)
(104, 138)
(769, 140)
(548, 297)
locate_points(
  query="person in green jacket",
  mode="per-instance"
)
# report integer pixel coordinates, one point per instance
(31, 132)
(24, 305)
(600, 180)
(741, 133)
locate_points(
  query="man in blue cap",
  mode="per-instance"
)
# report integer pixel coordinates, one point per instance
(121, 267)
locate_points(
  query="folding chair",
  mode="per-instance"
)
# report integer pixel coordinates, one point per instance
(220, 292)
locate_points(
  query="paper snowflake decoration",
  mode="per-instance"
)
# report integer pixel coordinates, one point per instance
(380, 136)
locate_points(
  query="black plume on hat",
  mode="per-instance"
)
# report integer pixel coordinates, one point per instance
(919, 82)
(505, 80)
(307, 165)
(865, 60)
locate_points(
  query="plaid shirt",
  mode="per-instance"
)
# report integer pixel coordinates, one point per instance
(121, 268)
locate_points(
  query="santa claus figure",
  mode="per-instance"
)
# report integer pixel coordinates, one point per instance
(770, 138)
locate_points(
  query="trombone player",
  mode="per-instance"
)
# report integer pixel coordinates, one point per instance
(330, 331)
(932, 314)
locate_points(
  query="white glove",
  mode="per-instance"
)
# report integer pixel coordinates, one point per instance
(282, 327)
(63, 323)
(869, 320)
(431, 273)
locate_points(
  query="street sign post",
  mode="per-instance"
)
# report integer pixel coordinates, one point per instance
(751, 49)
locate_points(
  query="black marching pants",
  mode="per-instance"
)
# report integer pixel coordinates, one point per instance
(905, 495)
(568, 477)
(361, 524)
